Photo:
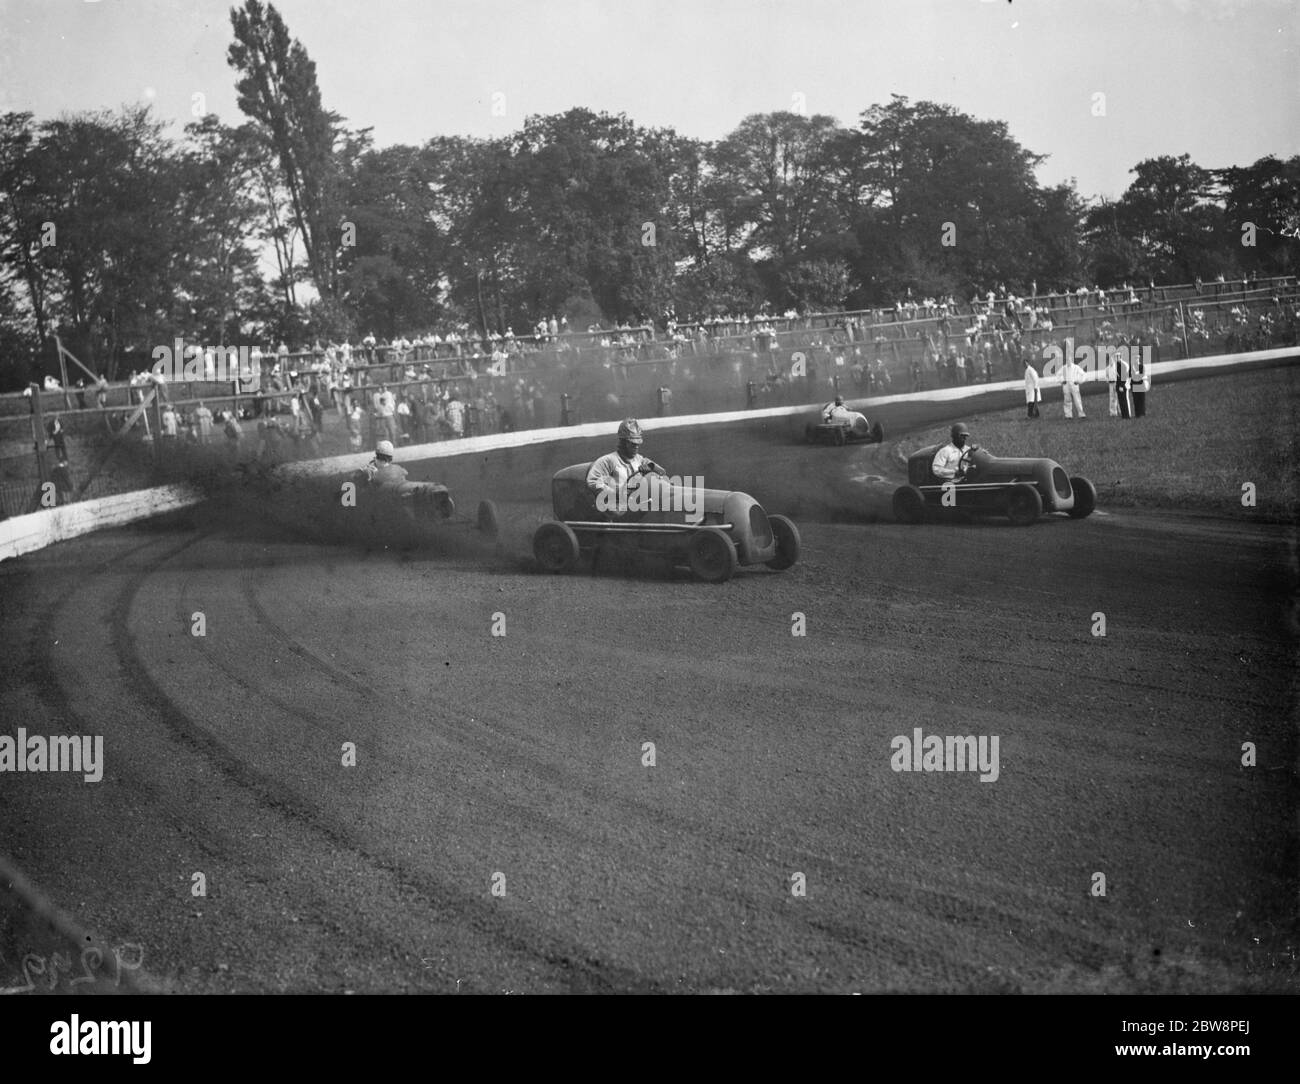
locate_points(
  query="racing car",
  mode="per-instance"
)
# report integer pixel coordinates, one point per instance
(711, 531)
(842, 426)
(1020, 489)
(422, 504)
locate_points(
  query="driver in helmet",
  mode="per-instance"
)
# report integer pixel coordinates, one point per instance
(836, 411)
(614, 471)
(381, 470)
(952, 461)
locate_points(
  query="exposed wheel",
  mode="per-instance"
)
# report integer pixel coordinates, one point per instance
(445, 505)
(487, 519)
(711, 555)
(909, 505)
(877, 434)
(556, 547)
(1024, 505)
(1085, 498)
(839, 437)
(786, 535)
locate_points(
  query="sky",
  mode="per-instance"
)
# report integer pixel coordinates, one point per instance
(1096, 85)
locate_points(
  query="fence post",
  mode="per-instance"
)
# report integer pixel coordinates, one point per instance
(38, 432)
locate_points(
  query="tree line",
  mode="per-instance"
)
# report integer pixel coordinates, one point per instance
(294, 226)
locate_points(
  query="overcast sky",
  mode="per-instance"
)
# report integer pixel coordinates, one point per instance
(1216, 79)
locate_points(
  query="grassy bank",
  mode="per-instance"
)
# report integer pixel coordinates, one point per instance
(1199, 442)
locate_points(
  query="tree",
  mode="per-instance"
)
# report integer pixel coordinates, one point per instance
(278, 90)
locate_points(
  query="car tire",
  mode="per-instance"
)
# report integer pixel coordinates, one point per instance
(1085, 498)
(711, 555)
(877, 434)
(839, 437)
(487, 522)
(556, 547)
(786, 535)
(1024, 504)
(909, 505)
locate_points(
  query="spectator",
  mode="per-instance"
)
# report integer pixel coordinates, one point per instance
(233, 431)
(385, 413)
(170, 423)
(665, 398)
(61, 476)
(54, 428)
(203, 416)
(354, 421)
(455, 410)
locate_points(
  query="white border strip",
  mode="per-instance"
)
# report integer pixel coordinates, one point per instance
(22, 534)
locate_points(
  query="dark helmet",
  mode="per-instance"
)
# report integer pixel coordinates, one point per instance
(959, 430)
(839, 400)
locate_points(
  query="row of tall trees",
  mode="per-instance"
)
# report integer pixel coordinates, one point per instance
(294, 226)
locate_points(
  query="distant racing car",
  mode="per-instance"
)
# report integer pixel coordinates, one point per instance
(1019, 488)
(711, 531)
(840, 426)
(425, 504)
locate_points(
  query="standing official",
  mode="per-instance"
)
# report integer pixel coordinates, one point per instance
(1140, 380)
(1033, 391)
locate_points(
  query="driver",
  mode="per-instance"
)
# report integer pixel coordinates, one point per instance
(837, 411)
(614, 471)
(951, 462)
(381, 470)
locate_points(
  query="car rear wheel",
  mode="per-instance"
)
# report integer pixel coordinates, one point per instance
(488, 523)
(839, 437)
(711, 555)
(556, 547)
(786, 535)
(1024, 505)
(909, 505)
(877, 434)
(1085, 498)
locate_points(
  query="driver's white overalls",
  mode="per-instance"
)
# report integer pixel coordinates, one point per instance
(611, 473)
(947, 462)
(837, 413)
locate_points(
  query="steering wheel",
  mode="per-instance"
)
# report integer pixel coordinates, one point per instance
(966, 464)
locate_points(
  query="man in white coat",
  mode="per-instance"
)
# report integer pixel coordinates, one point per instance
(1071, 375)
(1033, 392)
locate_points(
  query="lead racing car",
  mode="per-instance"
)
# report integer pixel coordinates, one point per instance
(1021, 489)
(840, 426)
(711, 531)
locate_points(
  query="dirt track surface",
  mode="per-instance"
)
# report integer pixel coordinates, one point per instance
(522, 755)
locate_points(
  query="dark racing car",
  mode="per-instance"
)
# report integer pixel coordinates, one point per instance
(711, 531)
(1020, 489)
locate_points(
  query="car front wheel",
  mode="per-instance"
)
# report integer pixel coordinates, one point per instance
(786, 535)
(1085, 498)
(556, 547)
(711, 555)
(1024, 504)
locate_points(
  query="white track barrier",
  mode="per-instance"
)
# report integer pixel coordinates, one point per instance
(22, 534)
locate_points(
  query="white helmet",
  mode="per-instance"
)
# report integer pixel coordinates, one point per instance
(384, 449)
